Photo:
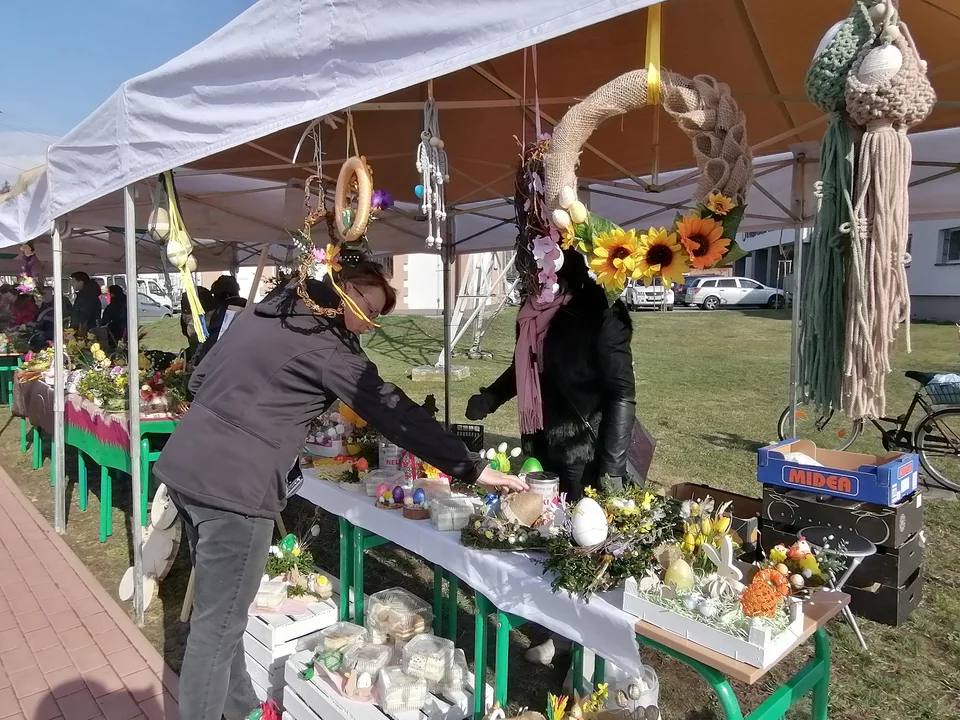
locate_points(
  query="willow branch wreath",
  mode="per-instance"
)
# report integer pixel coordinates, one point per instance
(703, 237)
(355, 178)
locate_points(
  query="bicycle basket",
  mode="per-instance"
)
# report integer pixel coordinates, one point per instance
(944, 393)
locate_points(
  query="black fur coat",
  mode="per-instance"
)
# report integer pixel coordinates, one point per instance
(587, 376)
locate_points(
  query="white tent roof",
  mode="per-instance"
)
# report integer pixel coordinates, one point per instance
(284, 62)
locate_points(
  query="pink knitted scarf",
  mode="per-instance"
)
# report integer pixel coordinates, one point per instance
(534, 321)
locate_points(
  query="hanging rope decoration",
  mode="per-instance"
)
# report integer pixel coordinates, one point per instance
(887, 93)
(822, 320)
(434, 174)
(703, 237)
(166, 226)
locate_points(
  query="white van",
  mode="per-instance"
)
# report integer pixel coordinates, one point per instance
(146, 286)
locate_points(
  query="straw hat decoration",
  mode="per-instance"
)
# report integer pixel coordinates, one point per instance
(701, 237)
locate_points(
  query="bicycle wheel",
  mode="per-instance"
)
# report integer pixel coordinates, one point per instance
(937, 439)
(830, 432)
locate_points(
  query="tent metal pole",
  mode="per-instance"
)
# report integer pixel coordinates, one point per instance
(139, 484)
(449, 301)
(59, 471)
(797, 195)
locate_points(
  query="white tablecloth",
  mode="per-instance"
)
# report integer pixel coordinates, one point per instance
(513, 582)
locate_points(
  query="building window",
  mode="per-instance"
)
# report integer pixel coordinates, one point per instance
(950, 246)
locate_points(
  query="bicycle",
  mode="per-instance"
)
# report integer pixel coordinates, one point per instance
(936, 436)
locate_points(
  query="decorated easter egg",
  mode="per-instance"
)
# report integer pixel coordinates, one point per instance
(418, 191)
(679, 575)
(589, 523)
(382, 488)
(408, 501)
(578, 212)
(419, 496)
(398, 494)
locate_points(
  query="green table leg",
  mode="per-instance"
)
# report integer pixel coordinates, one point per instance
(438, 573)
(576, 652)
(599, 670)
(82, 480)
(144, 482)
(346, 568)
(23, 435)
(453, 589)
(106, 504)
(821, 688)
(363, 540)
(37, 449)
(480, 657)
(505, 623)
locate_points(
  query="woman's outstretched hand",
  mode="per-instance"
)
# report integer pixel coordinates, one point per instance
(496, 480)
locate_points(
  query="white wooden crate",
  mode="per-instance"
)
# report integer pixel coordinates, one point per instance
(761, 649)
(273, 631)
(271, 681)
(319, 699)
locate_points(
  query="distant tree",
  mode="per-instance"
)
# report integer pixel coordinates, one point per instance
(6, 187)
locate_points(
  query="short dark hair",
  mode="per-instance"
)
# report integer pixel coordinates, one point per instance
(80, 276)
(225, 286)
(367, 273)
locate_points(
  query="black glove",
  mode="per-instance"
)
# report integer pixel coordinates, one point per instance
(480, 405)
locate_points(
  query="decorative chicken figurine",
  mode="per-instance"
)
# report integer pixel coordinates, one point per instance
(499, 459)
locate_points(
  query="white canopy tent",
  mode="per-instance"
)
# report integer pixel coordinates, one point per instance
(232, 105)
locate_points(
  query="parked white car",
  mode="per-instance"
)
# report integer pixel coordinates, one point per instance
(147, 286)
(637, 296)
(710, 292)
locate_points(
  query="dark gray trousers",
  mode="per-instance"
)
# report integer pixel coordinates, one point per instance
(228, 552)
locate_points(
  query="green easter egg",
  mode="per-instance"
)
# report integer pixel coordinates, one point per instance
(288, 543)
(531, 465)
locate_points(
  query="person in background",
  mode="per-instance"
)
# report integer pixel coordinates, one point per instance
(8, 295)
(85, 315)
(228, 463)
(227, 305)
(24, 311)
(44, 324)
(572, 375)
(207, 304)
(114, 318)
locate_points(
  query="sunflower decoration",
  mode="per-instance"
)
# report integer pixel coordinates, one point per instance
(616, 257)
(702, 238)
(661, 255)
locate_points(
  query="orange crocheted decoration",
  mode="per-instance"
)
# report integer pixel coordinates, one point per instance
(775, 579)
(760, 600)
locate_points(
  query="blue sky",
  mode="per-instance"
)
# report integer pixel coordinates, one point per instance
(65, 57)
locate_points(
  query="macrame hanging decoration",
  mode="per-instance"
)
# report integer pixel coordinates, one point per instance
(434, 174)
(165, 225)
(821, 305)
(887, 93)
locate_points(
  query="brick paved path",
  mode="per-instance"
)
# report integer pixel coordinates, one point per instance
(67, 650)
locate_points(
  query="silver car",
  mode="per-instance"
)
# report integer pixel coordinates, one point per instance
(711, 291)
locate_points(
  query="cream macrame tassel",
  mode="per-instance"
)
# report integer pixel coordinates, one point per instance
(887, 92)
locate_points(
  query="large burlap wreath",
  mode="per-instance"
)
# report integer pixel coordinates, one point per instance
(699, 238)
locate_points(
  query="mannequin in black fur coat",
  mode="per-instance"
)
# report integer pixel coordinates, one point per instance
(587, 378)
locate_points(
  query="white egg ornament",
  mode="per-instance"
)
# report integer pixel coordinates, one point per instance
(578, 213)
(568, 196)
(589, 523)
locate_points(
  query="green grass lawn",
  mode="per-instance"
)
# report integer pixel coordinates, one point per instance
(710, 388)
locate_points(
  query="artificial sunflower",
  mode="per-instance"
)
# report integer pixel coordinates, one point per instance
(661, 254)
(703, 240)
(568, 237)
(719, 204)
(615, 257)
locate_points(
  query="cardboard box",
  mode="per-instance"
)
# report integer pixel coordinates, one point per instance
(878, 479)
(886, 527)
(746, 512)
(887, 605)
(890, 567)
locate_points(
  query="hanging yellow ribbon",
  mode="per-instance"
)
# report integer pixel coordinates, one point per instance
(181, 241)
(652, 61)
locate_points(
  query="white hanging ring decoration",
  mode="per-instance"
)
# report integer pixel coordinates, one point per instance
(352, 225)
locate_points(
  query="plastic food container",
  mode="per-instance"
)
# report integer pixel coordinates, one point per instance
(396, 616)
(367, 657)
(271, 594)
(430, 658)
(341, 637)
(456, 680)
(400, 692)
(453, 512)
(389, 477)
